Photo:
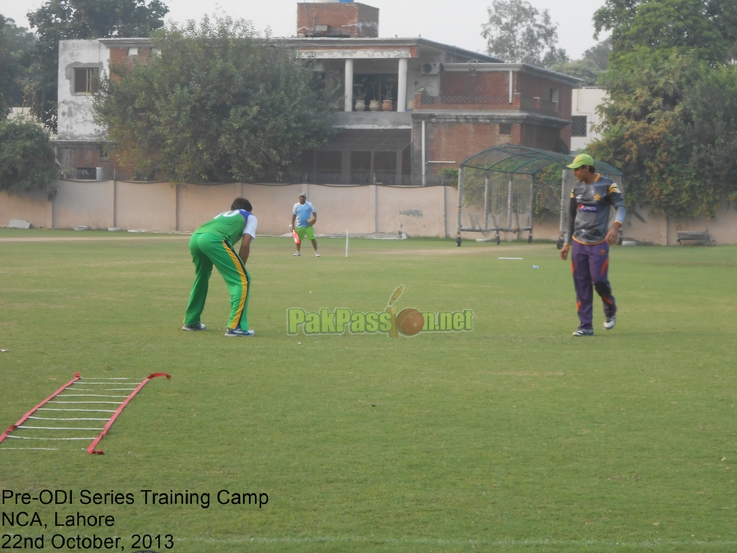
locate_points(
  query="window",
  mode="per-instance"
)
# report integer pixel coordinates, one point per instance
(505, 128)
(554, 95)
(85, 80)
(87, 173)
(375, 87)
(329, 161)
(579, 125)
(361, 162)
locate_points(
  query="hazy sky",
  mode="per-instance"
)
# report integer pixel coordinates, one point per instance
(453, 22)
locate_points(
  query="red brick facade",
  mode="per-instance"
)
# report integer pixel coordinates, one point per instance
(473, 112)
(485, 84)
(351, 19)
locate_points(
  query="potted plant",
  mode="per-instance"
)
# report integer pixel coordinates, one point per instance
(387, 103)
(374, 104)
(359, 93)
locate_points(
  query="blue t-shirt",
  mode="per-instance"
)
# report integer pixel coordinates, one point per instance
(303, 213)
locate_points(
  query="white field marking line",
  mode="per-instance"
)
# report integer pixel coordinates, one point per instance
(85, 383)
(473, 542)
(78, 410)
(24, 427)
(36, 448)
(86, 380)
(84, 402)
(508, 258)
(98, 390)
(88, 395)
(58, 439)
(68, 419)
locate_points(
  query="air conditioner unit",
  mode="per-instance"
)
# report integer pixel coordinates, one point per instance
(431, 68)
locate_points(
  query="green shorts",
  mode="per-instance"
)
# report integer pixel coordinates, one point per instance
(309, 231)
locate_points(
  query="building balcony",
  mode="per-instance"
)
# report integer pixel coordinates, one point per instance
(527, 104)
(373, 120)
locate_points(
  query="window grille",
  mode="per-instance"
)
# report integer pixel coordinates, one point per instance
(579, 125)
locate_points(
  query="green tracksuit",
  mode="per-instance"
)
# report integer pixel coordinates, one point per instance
(212, 244)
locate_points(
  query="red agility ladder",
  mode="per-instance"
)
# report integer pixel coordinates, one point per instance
(58, 402)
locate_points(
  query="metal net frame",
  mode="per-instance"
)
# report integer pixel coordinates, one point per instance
(498, 189)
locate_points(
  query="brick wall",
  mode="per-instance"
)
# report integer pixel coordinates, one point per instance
(120, 55)
(543, 138)
(534, 86)
(490, 84)
(454, 141)
(87, 157)
(355, 19)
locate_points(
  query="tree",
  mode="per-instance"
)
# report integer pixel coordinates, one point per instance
(710, 108)
(670, 115)
(26, 157)
(669, 124)
(16, 44)
(706, 29)
(7, 71)
(599, 54)
(585, 69)
(83, 19)
(517, 32)
(217, 103)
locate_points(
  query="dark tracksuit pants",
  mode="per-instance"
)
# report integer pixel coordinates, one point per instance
(590, 266)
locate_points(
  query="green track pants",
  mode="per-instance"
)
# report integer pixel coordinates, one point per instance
(208, 250)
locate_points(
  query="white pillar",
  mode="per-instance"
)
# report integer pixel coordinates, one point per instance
(348, 85)
(424, 163)
(402, 85)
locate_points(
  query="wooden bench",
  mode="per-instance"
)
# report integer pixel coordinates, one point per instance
(694, 236)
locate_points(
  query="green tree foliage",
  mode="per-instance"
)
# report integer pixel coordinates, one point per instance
(705, 28)
(710, 107)
(7, 71)
(669, 122)
(216, 103)
(16, 44)
(584, 69)
(517, 32)
(590, 67)
(83, 19)
(599, 54)
(26, 157)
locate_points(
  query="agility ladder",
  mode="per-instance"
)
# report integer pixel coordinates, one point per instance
(58, 402)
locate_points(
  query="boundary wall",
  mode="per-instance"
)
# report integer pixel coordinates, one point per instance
(416, 211)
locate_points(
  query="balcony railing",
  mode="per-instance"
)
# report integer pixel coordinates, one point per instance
(478, 102)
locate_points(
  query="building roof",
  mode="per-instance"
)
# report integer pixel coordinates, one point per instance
(416, 43)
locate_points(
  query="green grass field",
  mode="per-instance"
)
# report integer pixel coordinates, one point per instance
(512, 437)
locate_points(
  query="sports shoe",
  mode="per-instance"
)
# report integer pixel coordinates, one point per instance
(232, 332)
(297, 254)
(317, 254)
(198, 326)
(583, 332)
(610, 322)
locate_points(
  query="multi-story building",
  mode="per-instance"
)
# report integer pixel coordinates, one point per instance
(584, 118)
(412, 107)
